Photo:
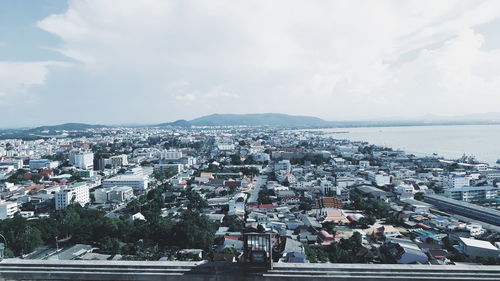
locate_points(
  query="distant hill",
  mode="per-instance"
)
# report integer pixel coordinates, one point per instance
(260, 119)
(178, 123)
(67, 127)
(281, 120)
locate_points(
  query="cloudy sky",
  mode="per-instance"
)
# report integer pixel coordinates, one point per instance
(148, 61)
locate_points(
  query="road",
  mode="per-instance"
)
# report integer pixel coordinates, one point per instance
(254, 193)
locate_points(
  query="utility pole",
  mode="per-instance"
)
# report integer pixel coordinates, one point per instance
(3, 246)
(57, 247)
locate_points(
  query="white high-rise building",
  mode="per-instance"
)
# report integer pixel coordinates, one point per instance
(77, 193)
(82, 160)
(7, 210)
(119, 160)
(326, 187)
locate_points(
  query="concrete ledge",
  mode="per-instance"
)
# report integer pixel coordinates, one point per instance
(15, 269)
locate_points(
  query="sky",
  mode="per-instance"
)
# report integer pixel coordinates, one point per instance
(152, 61)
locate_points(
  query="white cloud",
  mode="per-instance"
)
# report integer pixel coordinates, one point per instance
(187, 97)
(220, 92)
(184, 91)
(16, 78)
(333, 59)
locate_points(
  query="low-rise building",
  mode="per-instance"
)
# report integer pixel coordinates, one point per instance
(472, 193)
(404, 251)
(7, 210)
(77, 193)
(114, 194)
(283, 165)
(477, 248)
(380, 179)
(387, 231)
(465, 209)
(136, 182)
(36, 164)
(453, 181)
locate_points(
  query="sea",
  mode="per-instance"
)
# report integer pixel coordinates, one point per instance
(450, 142)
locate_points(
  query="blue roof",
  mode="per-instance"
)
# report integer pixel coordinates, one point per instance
(425, 232)
(490, 172)
(296, 257)
(472, 188)
(439, 218)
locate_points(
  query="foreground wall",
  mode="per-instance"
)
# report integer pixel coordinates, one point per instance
(13, 269)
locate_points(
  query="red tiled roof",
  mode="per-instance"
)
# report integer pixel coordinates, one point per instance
(263, 206)
(329, 202)
(231, 237)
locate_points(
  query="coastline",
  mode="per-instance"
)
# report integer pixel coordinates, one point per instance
(449, 142)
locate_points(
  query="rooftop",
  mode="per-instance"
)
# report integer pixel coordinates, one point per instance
(465, 204)
(472, 188)
(478, 243)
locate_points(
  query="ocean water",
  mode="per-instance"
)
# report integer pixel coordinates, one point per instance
(451, 142)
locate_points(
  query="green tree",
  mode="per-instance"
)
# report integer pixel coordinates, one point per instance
(236, 159)
(419, 196)
(195, 200)
(233, 222)
(264, 196)
(194, 231)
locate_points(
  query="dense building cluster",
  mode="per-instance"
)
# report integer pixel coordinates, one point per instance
(197, 193)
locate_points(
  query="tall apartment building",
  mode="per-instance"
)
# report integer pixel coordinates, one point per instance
(472, 193)
(7, 210)
(82, 160)
(491, 174)
(77, 193)
(165, 167)
(453, 181)
(326, 187)
(16, 163)
(119, 160)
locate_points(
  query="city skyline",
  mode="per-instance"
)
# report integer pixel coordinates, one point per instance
(97, 62)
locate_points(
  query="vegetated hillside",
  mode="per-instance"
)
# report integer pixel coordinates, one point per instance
(67, 127)
(263, 119)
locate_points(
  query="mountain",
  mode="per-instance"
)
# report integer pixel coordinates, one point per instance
(291, 121)
(67, 127)
(260, 119)
(178, 123)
